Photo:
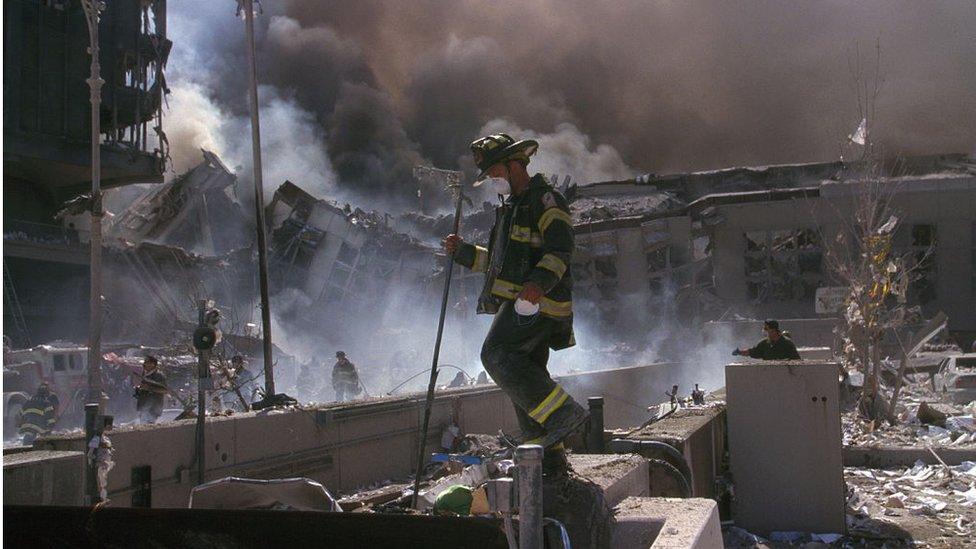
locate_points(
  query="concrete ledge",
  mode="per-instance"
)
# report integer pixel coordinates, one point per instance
(619, 475)
(44, 478)
(699, 435)
(879, 457)
(666, 523)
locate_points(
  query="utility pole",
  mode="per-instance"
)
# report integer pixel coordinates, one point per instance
(93, 10)
(204, 339)
(269, 387)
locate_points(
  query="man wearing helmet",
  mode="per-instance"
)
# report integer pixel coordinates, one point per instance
(528, 287)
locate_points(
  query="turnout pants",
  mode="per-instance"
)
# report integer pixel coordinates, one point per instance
(515, 354)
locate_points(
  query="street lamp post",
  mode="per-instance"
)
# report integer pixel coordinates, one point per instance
(93, 9)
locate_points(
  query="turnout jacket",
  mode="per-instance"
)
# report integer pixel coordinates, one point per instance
(532, 240)
(37, 414)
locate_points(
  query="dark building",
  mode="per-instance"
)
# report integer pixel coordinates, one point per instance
(47, 145)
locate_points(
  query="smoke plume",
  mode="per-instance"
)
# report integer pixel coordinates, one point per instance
(669, 85)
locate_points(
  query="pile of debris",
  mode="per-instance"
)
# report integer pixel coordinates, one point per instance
(459, 473)
(888, 503)
(474, 476)
(921, 419)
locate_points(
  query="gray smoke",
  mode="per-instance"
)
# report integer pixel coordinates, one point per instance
(671, 86)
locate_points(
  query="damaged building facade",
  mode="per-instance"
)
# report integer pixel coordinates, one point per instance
(47, 144)
(750, 241)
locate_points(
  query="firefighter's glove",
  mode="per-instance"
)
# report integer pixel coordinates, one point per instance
(531, 292)
(451, 243)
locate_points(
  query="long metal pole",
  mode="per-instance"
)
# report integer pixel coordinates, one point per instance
(92, 9)
(269, 387)
(203, 382)
(437, 351)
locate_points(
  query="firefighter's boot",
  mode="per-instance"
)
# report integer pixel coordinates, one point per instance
(564, 421)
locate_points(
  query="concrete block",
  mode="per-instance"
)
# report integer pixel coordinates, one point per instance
(44, 477)
(666, 523)
(815, 353)
(699, 435)
(785, 446)
(619, 475)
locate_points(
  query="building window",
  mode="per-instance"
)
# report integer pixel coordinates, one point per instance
(920, 249)
(785, 265)
(295, 242)
(659, 264)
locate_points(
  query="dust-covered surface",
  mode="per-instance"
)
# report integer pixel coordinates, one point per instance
(578, 501)
(36, 456)
(602, 469)
(681, 424)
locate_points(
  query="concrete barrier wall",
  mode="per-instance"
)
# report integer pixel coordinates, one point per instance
(43, 478)
(343, 446)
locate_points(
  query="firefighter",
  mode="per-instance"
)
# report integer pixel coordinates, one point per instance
(775, 347)
(37, 417)
(151, 391)
(345, 379)
(528, 287)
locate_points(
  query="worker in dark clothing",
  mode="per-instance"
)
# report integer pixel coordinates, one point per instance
(38, 415)
(774, 347)
(151, 391)
(345, 379)
(528, 287)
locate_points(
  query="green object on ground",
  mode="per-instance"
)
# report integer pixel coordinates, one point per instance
(455, 499)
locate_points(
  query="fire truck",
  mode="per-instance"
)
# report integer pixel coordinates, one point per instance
(63, 365)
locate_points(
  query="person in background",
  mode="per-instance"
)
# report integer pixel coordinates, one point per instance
(100, 457)
(345, 378)
(38, 415)
(774, 347)
(151, 391)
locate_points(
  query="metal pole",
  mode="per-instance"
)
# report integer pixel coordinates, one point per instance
(92, 10)
(203, 382)
(594, 436)
(269, 386)
(528, 460)
(437, 352)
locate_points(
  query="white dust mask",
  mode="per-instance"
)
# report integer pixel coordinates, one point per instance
(499, 185)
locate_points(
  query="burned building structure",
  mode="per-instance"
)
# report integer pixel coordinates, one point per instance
(750, 241)
(342, 259)
(47, 144)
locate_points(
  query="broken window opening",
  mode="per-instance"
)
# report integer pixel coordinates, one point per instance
(783, 265)
(347, 254)
(924, 240)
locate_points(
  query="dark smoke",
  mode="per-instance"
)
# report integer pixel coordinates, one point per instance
(669, 85)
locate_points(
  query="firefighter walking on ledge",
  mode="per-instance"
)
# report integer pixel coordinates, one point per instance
(528, 287)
